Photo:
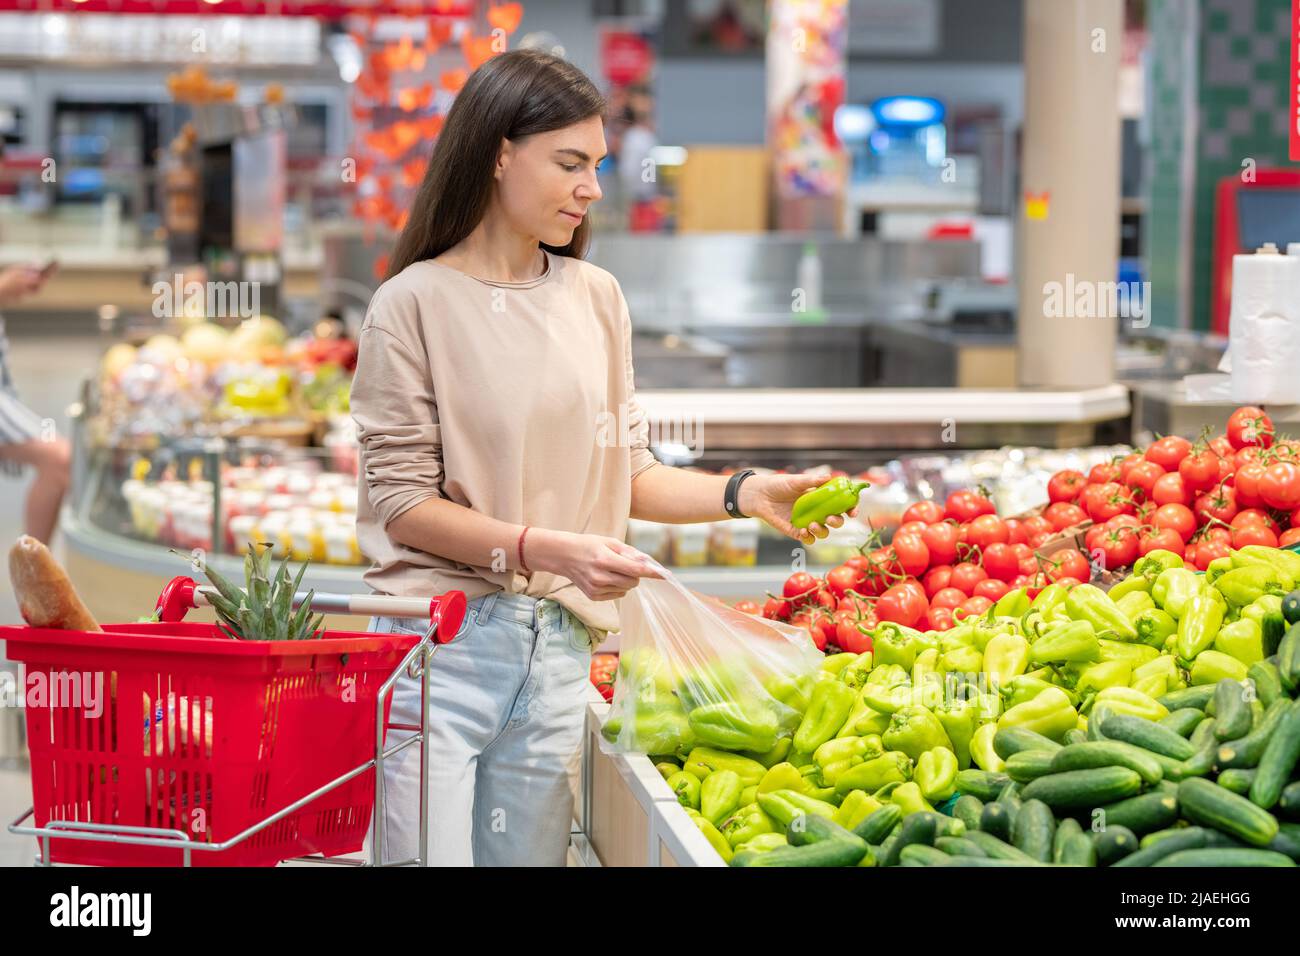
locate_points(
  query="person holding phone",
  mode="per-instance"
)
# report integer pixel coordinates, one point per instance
(502, 452)
(26, 438)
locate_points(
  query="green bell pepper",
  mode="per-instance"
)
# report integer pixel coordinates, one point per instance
(748, 796)
(1128, 700)
(926, 663)
(1096, 677)
(1174, 588)
(827, 711)
(838, 755)
(860, 709)
(794, 692)
(914, 730)
(1086, 602)
(961, 635)
(1049, 714)
(855, 673)
(1154, 563)
(1022, 689)
(731, 727)
(1134, 603)
(658, 728)
(667, 768)
(1005, 657)
(909, 797)
(703, 761)
(985, 630)
(687, 788)
(1153, 626)
(871, 775)
(1285, 563)
(959, 718)
(780, 750)
(835, 663)
(855, 808)
(873, 722)
(1012, 604)
(785, 806)
(1218, 568)
(745, 824)
(893, 644)
(1198, 625)
(1136, 584)
(719, 796)
(889, 675)
(784, 776)
(711, 833)
(1135, 654)
(1241, 639)
(962, 660)
(1153, 685)
(835, 497)
(936, 774)
(887, 700)
(1049, 597)
(762, 843)
(1066, 643)
(1242, 586)
(1210, 667)
(981, 748)
(1266, 611)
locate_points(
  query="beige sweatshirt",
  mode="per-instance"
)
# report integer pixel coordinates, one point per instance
(514, 399)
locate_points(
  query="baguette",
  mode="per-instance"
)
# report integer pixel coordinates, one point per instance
(46, 597)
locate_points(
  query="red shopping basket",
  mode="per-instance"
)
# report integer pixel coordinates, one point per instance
(193, 731)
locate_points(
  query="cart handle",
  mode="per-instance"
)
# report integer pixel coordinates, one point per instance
(446, 611)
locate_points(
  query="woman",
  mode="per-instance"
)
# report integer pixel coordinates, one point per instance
(491, 363)
(25, 437)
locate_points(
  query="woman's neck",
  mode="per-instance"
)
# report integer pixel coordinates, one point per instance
(496, 253)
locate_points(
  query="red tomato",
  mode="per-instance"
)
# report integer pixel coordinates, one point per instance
(1119, 548)
(901, 605)
(941, 538)
(886, 562)
(1249, 425)
(1069, 562)
(604, 669)
(910, 527)
(1063, 515)
(1295, 518)
(915, 586)
(844, 578)
(854, 601)
(1289, 536)
(1217, 534)
(1022, 551)
(777, 609)
(850, 633)
(1280, 486)
(911, 552)
(1028, 565)
(938, 619)
(1126, 464)
(1092, 537)
(966, 575)
(1166, 539)
(1170, 490)
(1200, 470)
(1036, 524)
(936, 579)
(974, 607)
(1168, 452)
(991, 588)
(1037, 539)
(1143, 475)
(1246, 455)
(748, 607)
(1246, 480)
(1104, 473)
(1125, 521)
(949, 598)
(825, 599)
(1016, 531)
(1112, 499)
(1176, 517)
(1189, 555)
(967, 505)
(1000, 561)
(1065, 485)
(801, 584)
(1249, 516)
(927, 512)
(986, 530)
(1207, 551)
(1067, 582)
(1254, 534)
(1219, 502)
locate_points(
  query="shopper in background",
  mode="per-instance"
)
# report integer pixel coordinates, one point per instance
(502, 453)
(25, 437)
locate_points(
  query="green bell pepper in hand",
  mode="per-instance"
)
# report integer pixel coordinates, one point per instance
(838, 755)
(1153, 626)
(981, 748)
(1266, 611)
(1134, 603)
(1242, 586)
(1152, 564)
(745, 824)
(719, 796)
(855, 808)
(1241, 639)
(1086, 602)
(959, 718)
(914, 730)
(830, 706)
(729, 726)
(702, 761)
(936, 774)
(1049, 714)
(785, 806)
(835, 497)
(1198, 625)
(871, 775)
(1174, 588)
(1005, 657)
(1067, 643)
(1210, 667)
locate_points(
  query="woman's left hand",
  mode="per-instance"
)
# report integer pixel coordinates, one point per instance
(771, 497)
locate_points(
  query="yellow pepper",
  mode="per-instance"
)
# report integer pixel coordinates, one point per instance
(1006, 656)
(1106, 674)
(1128, 700)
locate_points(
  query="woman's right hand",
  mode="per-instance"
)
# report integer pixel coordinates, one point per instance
(604, 569)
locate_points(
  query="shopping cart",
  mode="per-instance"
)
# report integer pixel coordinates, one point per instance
(164, 743)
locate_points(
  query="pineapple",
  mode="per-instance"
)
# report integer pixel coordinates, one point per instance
(264, 610)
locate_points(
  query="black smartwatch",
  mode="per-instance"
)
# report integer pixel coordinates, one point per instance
(731, 497)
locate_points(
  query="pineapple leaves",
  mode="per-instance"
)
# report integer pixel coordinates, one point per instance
(263, 609)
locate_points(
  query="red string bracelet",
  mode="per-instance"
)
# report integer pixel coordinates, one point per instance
(523, 534)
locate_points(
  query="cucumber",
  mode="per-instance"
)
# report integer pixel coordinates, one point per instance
(1213, 806)
(1144, 813)
(1226, 856)
(1231, 710)
(996, 819)
(1197, 697)
(1238, 779)
(1291, 607)
(1288, 658)
(1079, 850)
(825, 853)
(813, 828)
(1289, 803)
(918, 854)
(1032, 830)
(1084, 789)
(1064, 829)
(1075, 736)
(1182, 722)
(917, 828)
(984, 784)
(958, 846)
(1287, 841)
(1108, 753)
(997, 849)
(1113, 844)
(1029, 764)
(1246, 751)
(1279, 759)
(1094, 726)
(945, 825)
(1184, 838)
(878, 823)
(1010, 796)
(1268, 682)
(1012, 740)
(1147, 735)
(967, 809)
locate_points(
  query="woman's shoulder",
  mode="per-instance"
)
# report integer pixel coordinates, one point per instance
(401, 299)
(600, 282)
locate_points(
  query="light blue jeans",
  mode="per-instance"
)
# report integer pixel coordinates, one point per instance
(507, 700)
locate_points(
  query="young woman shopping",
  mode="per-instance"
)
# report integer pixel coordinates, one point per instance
(494, 365)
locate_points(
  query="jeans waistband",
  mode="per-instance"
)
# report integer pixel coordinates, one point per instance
(535, 612)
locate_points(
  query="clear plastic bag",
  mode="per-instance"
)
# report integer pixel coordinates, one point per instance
(693, 671)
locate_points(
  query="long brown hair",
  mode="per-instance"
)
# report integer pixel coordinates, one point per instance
(511, 96)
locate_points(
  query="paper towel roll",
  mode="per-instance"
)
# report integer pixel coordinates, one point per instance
(1264, 328)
